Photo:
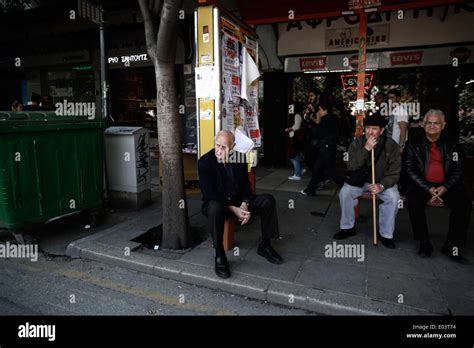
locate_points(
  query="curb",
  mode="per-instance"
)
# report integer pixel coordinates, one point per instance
(275, 291)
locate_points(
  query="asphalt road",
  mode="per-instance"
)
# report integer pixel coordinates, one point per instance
(62, 286)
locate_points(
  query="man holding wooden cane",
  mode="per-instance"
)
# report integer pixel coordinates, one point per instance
(359, 179)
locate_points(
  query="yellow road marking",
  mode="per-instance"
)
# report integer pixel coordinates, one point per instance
(136, 291)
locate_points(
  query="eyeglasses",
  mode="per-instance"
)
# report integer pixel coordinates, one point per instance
(434, 124)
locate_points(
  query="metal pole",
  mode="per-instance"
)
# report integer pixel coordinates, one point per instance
(361, 73)
(104, 87)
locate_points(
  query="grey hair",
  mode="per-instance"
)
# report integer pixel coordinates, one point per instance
(225, 133)
(436, 112)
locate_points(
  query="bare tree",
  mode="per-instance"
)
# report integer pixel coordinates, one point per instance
(160, 19)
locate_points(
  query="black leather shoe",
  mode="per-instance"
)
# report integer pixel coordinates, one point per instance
(270, 254)
(343, 234)
(387, 242)
(222, 268)
(426, 249)
(448, 250)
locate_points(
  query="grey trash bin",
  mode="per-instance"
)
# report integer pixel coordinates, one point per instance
(128, 166)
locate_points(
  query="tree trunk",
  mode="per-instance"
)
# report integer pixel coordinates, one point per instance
(161, 45)
(175, 212)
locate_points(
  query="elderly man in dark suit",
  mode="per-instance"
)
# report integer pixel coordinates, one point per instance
(226, 192)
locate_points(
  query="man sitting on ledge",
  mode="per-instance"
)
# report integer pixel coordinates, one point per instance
(226, 192)
(435, 166)
(388, 164)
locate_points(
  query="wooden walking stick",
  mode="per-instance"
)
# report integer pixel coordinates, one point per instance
(374, 200)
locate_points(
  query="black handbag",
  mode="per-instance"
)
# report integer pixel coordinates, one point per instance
(359, 176)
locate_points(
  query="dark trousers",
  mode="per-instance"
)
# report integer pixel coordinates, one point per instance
(460, 212)
(324, 166)
(263, 204)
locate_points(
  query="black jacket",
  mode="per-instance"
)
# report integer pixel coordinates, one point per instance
(323, 135)
(212, 176)
(326, 132)
(416, 158)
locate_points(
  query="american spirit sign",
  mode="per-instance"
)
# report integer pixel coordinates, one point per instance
(377, 35)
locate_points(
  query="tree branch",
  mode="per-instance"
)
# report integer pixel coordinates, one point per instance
(150, 30)
(158, 5)
(166, 38)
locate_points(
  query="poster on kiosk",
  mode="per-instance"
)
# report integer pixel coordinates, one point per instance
(226, 77)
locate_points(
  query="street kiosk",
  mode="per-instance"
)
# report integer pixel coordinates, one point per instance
(226, 75)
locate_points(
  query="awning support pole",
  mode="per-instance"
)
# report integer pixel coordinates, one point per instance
(361, 74)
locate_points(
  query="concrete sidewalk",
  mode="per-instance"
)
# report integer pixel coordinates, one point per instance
(384, 281)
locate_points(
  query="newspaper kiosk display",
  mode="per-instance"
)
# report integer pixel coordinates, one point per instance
(226, 80)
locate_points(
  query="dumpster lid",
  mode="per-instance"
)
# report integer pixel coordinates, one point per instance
(124, 130)
(40, 116)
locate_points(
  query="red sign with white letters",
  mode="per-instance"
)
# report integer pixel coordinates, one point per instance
(349, 81)
(406, 58)
(359, 4)
(317, 63)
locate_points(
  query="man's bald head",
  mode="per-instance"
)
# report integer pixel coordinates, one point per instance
(224, 143)
(228, 135)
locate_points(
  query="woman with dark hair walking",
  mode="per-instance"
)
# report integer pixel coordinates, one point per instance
(308, 126)
(325, 146)
(296, 141)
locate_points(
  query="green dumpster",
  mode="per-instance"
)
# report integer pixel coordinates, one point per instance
(50, 166)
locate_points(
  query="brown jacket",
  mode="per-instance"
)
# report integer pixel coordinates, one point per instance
(388, 166)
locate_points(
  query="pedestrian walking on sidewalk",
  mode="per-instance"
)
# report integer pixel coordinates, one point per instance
(324, 146)
(296, 141)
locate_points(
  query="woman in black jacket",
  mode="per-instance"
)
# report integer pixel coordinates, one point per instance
(324, 145)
